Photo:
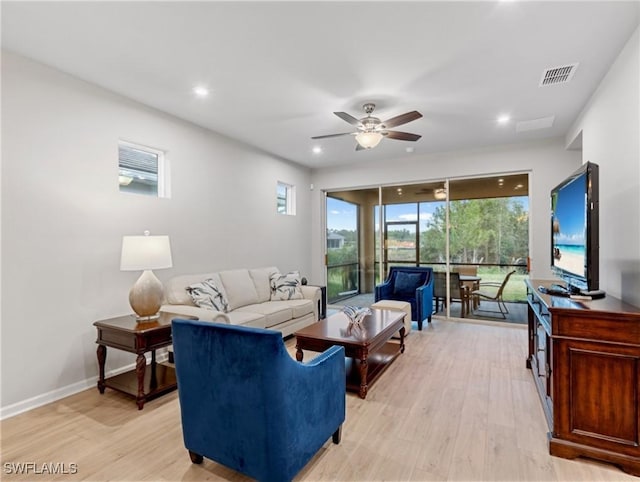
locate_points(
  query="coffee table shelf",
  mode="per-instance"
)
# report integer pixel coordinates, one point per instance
(377, 363)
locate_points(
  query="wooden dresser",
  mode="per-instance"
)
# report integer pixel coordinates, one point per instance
(585, 360)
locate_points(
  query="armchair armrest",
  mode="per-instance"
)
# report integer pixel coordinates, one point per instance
(334, 351)
(424, 301)
(383, 291)
(317, 396)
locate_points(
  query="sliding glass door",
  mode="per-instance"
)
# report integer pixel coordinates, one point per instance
(478, 225)
(342, 255)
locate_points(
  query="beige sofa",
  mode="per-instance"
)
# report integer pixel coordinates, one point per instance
(249, 300)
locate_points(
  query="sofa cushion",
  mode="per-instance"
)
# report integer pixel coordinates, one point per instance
(286, 286)
(406, 283)
(262, 280)
(175, 289)
(209, 294)
(298, 307)
(273, 312)
(239, 288)
(247, 318)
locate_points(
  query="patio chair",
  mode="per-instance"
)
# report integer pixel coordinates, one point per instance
(494, 295)
(471, 285)
(457, 291)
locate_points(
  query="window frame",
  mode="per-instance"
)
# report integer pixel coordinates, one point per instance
(162, 189)
(289, 198)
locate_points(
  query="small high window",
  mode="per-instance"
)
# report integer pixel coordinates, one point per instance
(286, 198)
(141, 169)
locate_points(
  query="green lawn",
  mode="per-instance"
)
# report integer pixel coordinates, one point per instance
(515, 290)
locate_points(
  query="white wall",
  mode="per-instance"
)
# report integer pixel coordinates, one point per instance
(548, 163)
(610, 128)
(63, 219)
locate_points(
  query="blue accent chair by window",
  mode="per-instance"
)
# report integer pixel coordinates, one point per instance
(247, 404)
(413, 284)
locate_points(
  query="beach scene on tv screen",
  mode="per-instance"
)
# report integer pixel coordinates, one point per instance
(569, 227)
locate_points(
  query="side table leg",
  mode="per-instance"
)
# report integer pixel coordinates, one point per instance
(364, 367)
(102, 357)
(141, 365)
(402, 332)
(153, 384)
(299, 354)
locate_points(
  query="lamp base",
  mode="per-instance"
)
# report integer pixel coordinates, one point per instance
(144, 319)
(145, 296)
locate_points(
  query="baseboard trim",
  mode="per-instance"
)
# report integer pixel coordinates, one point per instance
(504, 324)
(63, 392)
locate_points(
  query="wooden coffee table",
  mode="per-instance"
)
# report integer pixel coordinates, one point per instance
(368, 350)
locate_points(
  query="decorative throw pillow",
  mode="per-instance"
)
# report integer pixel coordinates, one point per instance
(406, 283)
(286, 286)
(208, 295)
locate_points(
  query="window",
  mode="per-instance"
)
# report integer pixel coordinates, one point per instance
(286, 198)
(141, 170)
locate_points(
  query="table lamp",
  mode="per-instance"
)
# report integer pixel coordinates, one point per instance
(145, 253)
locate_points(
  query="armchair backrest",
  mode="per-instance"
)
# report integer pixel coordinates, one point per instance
(224, 373)
(244, 399)
(404, 276)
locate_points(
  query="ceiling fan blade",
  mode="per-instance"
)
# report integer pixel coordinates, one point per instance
(334, 135)
(348, 118)
(359, 147)
(401, 136)
(402, 119)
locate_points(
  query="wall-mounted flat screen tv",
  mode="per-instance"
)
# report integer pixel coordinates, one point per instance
(574, 230)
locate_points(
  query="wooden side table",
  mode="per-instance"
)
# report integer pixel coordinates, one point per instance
(125, 333)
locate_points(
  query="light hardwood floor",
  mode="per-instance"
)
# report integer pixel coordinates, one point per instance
(459, 404)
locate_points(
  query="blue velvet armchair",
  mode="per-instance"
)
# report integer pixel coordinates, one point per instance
(247, 404)
(413, 284)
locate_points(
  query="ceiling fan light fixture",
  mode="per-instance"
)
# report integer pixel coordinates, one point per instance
(368, 140)
(440, 193)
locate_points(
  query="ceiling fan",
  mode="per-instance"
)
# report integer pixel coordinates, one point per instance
(371, 130)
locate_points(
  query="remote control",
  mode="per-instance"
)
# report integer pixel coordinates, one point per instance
(580, 297)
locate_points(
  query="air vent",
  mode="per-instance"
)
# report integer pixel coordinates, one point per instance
(558, 75)
(535, 124)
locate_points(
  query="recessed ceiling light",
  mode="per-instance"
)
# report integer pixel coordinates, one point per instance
(316, 149)
(503, 119)
(409, 149)
(201, 91)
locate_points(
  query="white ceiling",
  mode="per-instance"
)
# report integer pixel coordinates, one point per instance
(277, 70)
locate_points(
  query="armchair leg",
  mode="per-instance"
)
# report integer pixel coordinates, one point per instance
(420, 325)
(337, 435)
(195, 458)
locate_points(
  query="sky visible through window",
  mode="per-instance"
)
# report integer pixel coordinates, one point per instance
(342, 215)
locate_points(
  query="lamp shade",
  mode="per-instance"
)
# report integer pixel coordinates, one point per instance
(368, 140)
(141, 253)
